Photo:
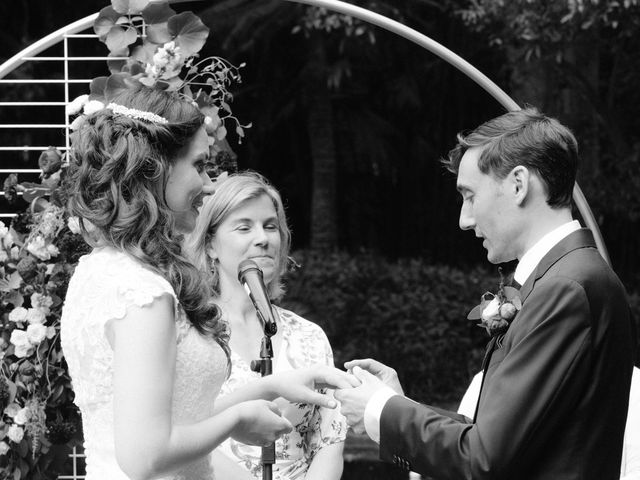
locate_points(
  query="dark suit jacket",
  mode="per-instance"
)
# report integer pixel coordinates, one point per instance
(554, 399)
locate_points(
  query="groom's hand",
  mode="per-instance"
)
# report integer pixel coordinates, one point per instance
(386, 374)
(353, 401)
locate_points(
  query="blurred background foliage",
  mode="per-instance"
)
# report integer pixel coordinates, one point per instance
(349, 122)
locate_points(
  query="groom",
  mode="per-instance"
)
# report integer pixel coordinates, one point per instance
(554, 398)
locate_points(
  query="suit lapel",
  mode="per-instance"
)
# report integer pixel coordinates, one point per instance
(582, 238)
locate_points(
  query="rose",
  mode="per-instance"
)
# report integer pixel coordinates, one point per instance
(76, 123)
(38, 248)
(491, 310)
(51, 332)
(15, 433)
(4, 448)
(7, 241)
(73, 223)
(35, 316)
(10, 190)
(3, 230)
(23, 347)
(76, 105)
(22, 351)
(22, 416)
(508, 310)
(92, 106)
(43, 302)
(19, 338)
(11, 410)
(53, 250)
(18, 314)
(27, 268)
(36, 333)
(50, 161)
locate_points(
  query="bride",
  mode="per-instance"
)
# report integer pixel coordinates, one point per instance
(146, 351)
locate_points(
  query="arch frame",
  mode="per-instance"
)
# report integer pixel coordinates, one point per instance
(378, 20)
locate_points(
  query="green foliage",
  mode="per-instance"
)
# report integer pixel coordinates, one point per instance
(39, 422)
(37, 257)
(409, 315)
(153, 45)
(544, 28)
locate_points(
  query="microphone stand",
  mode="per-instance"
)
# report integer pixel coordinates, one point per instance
(264, 367)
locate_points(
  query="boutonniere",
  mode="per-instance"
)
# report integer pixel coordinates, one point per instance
(497, 311)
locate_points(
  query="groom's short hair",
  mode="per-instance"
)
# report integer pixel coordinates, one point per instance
(529, 138)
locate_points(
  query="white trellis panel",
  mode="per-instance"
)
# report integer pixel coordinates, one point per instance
(57, 73)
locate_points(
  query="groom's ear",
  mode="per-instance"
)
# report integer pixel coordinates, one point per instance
(520, 184)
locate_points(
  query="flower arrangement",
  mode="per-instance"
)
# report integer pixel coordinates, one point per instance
(39, 424)
(38, 252)
(497, 311)
(154, 46)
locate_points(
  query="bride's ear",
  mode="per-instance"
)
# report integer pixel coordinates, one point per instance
(211, 253)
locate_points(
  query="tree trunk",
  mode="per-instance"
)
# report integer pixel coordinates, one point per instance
(323, 155)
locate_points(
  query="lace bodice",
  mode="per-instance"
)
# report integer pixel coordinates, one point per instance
(105, 283)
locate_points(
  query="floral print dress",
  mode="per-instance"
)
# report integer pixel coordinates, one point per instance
(304, 344)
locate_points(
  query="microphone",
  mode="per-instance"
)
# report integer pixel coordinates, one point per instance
(250, 276)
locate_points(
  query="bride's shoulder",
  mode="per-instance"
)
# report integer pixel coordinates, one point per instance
(110, 268)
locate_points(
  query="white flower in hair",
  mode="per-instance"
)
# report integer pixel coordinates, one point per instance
(136, 114)
(92, 107)
(76, 105)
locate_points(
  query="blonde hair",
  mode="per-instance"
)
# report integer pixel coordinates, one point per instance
(229, 195)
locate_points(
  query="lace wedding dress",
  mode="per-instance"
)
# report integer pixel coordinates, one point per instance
(104, 284)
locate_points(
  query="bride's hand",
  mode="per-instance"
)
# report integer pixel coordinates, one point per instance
(300, 385)
(259, 423)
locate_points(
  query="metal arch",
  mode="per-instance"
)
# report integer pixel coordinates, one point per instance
(466, 68)
(44, 43)
(375, 19)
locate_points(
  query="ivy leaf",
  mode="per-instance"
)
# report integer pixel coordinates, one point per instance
(158, 33)
(14, 298)
(157, 13)
(475, 313)
(96, 88)
(13, 390)
(37, 191)
(116, 66)
(129, 7)
(107, 18)
(116, 83)
(119, 38)
(144, 53)
(189, 32)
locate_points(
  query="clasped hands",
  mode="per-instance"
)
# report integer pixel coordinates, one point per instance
(353, 389)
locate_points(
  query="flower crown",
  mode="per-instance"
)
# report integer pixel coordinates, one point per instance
(136, 114)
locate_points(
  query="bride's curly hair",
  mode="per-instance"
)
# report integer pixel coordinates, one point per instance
(119, 171)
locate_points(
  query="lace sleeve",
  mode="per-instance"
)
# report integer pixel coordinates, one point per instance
(105, 284)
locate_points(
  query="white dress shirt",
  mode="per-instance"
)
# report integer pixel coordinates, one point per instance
(630, 468)
(526, 266)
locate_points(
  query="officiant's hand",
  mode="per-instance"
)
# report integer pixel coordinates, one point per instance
(386, 374)
(353, 401)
